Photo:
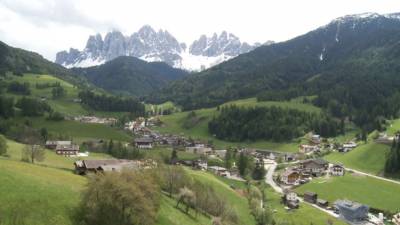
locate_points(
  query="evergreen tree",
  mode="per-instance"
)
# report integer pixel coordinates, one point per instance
(242, 164)
(3, 146)
(174, 156)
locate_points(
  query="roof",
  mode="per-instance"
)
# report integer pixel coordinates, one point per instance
(94, 164)
(144, 140)
(124, 165)
(58, 142)
(309, 193)
(288, 172)
(322, 201)
(338, 165)
(68, 147)
(349, 205)
(318, 161)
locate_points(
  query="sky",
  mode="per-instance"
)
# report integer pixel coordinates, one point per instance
(49, 26)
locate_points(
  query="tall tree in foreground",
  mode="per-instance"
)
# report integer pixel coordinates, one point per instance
(121, 198)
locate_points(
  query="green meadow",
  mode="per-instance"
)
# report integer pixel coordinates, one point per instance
(370, 191)
(369, 158)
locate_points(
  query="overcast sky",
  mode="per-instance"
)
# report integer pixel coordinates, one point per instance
(48, 26)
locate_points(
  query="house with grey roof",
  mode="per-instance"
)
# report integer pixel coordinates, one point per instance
(350, 211)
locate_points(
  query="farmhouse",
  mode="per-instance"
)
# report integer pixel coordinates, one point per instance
(308, 148)
(310, 197)
(346, 147)
(337, 170)
(220, 171)
(67, 150)
(315, 167)
(351, 211)
(220, 153)
(199, 150)
(85, 166)
(316, 139)
(54, 144)
(290, 177)
(144, 142)
(322, 203)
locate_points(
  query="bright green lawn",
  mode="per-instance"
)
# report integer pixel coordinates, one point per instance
(393, 127)
(368, 158)
(173, 124)
(238, 202)
(370, 191)
(305, 215)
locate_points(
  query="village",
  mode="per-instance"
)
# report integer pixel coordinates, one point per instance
(284, 171)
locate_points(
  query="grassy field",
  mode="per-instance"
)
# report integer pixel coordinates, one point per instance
(238, 202)
(300, 216)
(393, 127)
(80, 131)
(370, 191)
(173, 124)
(368, 158)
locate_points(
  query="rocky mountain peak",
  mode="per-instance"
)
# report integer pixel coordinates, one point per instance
(151, 45)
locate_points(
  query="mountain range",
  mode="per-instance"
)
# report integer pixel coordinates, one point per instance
(150, 45)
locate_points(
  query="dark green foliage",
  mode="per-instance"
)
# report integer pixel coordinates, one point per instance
(47, 85)
(6, 107)
(19, 88)
(55, 116)
(20, 61)
(272, 123)
(130, 75)
(32, 107)
(3, 146)
(111, 103)
(259, 171)
(243, 164)
(392, 165)
(57, 92)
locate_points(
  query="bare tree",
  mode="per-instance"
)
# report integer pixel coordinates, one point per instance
(32, 153)
(187, 197)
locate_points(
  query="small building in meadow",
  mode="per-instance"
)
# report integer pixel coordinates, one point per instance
(67, 150)
(322, 203)
(352, 212)
(337, 170)
(305, 149)
(220, 171)
(310, 197)
(144, 143)
(54, 144)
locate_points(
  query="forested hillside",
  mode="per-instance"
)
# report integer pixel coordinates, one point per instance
(130, 75)
(351, 65)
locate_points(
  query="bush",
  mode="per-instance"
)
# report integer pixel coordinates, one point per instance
(55, 116)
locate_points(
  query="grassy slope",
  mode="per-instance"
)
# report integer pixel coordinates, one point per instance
(65, 105)
(369, 158)
(305, 215)
(238, 202)
(81, 131)
(48, 192)
(373, 192)
(173, 124)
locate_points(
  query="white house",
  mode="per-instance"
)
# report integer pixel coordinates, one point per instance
(337, 170)
(220, 153)
(291, 196)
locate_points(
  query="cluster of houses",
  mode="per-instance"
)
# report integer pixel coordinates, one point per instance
(97, 120)
(315, 146)
(64, 148)
(307, 169)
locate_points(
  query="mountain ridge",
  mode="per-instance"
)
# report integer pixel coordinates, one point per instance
(150, 45)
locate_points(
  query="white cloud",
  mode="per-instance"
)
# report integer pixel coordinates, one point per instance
(48, 26)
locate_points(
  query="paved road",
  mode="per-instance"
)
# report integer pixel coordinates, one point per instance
(269, 177)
